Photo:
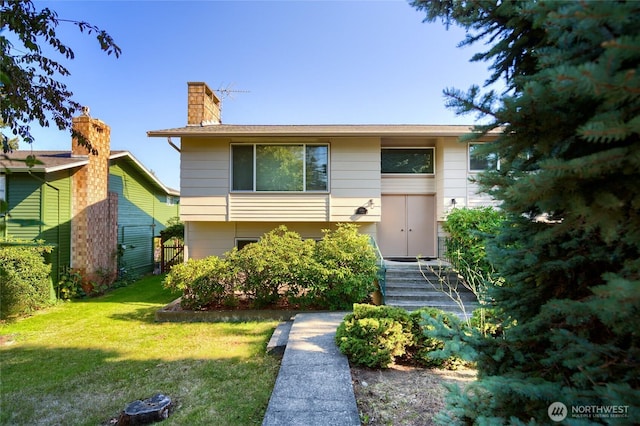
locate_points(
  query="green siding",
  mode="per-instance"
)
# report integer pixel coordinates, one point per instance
(142, 214)
(40, 212)
(24, 198)
(56, 218)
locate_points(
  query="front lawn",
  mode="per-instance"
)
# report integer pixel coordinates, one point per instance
(81, 363)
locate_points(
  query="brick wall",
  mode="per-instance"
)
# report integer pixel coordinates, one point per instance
(94, 228)
(203, 105)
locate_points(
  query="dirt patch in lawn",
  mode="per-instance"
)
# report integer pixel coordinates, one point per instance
(403, 395)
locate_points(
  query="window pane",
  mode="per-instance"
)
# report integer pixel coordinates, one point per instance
(407, 161)
(3, 192)
(316, 167)
(279, 167)
(487, 161)
(242, 167)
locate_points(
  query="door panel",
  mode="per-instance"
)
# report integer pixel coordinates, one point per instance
(407, 226)
(391, 232)
(421, 225)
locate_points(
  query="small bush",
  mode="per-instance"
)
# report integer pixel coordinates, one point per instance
(203, 282)
(427, 350)
(25, 279)
(374, 336)
(274, 267)
(347, 269)
(487, 321)
(378, 336)
(70, 285)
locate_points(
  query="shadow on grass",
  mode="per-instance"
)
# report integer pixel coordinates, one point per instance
(148, 289)
(44, 385)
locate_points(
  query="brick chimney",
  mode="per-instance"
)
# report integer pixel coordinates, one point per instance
(204, 105)
(94, 226)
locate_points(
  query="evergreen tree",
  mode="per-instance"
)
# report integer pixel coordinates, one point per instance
(569, 182)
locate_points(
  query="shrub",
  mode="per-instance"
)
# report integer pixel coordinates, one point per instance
(25, 279)
(377, 336)
(347, 269)
(277, 265)
(203, 282)
(428, 346)
(70, 285)
(487, 321)
(332, 274)
(374, 336)
(468, 230)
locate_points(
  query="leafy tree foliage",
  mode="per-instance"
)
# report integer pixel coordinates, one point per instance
(30, 86)
(569, 249)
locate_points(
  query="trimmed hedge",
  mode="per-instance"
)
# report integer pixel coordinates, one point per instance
(25, 279)
(374, 336)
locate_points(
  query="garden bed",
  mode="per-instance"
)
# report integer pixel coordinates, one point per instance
(173, 312)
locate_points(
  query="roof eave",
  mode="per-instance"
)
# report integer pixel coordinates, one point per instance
(153, 178)
(316, 131)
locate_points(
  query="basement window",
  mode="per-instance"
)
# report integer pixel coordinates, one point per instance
(241, 243)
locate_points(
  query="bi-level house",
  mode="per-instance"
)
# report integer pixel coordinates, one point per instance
(397, 182)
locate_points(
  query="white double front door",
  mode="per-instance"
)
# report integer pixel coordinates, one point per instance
(408, 226)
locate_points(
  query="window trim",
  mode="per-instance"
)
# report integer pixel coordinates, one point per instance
(247, 240)
(276, 143)
(433, 159)
(497, 167)
(3, 186)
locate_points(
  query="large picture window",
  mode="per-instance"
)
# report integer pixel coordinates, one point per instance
(480, 161)
(279, 167)
(407, 160)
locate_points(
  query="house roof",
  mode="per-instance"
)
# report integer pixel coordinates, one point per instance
(384, 130)
(53, 161)
(46, 161)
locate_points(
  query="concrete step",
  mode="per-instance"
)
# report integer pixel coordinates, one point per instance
(406, 286)
(425, 299)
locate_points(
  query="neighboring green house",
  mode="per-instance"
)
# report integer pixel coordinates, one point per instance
(145, 206)
(41, 206)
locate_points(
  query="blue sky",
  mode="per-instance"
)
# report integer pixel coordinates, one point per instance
(301, 62)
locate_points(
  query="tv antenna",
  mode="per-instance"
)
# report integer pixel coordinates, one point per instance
(227, 92)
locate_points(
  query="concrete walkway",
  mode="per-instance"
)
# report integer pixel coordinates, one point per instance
(314, 383)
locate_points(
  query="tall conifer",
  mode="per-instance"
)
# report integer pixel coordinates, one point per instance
(569, 181)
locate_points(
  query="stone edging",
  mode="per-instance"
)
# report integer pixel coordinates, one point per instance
(170, 313)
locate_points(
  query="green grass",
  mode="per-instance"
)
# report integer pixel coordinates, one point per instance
(81, 363)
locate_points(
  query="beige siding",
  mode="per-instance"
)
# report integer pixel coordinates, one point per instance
(216, 238)
(204, 179)
(355, 179)
(343, 209)
(451, 180)
(272, 207)
(408, 185)
(209, 238)
(475, 198)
